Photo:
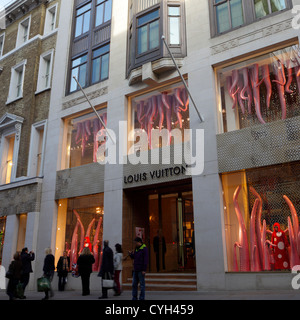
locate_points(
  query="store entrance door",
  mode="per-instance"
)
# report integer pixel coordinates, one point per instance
(171, 232)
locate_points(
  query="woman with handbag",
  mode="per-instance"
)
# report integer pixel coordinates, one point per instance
(107, 269)
(85, 262)
(14, 275)
(48, 269)
(118, 256)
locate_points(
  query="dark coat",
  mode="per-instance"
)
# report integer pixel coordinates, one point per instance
(156, 244)
(15, 268)
(60, 271)
(26, 262)
(107, 262)
(49, 266)
(85, 262)
(140, 258)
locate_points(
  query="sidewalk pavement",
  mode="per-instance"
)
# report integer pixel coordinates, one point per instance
(170, 295)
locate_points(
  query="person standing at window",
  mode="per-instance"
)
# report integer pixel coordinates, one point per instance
(63, 267)
(85, 262)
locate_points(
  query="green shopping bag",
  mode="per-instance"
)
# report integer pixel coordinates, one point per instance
(19, 290)
(43, 284)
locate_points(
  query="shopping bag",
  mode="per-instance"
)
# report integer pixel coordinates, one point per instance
(43, 284)
(75, 272)
(108, 281)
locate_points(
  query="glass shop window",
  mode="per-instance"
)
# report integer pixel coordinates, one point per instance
(2, 235)
(79, 225)
(260, 90)
(261, 213)
(82, 139)
(158, 113)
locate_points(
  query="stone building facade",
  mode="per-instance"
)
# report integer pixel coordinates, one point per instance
(27, 54)
(240, 60)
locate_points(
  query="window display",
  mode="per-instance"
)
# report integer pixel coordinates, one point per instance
(260, 90)
(164, 110)
(2, 235)
(80, 224)
(261, 219)
(82, 142)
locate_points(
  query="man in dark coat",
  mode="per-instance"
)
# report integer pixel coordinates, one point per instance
(107, 267)
(140, 263)
(26, 266)
(159, 246)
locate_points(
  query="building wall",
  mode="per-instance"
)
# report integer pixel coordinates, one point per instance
(203, 55)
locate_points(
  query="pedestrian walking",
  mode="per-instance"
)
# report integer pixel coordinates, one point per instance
(48, 269)
(107, 268)
(140, 263)
(14, 275)
(84, 263)
(118, 257)
(63, 267)
(26, 259)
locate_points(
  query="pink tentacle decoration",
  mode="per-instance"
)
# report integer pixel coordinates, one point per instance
(88, 231)
(78, 133)
(295, 221)
(243, 239)
(185, 99)
(141, 113)
(294, 258)
(96, 129)
(168, 101)
(247, 89)
(160, 111)
(290, 77)
(254, 76)
(231, 86)
(74, 245)
(255, 260)
(258, 226)
(280, 82)
(153, 108)
(176, 109)
(240, 100)
(297, 71)
(96, 241)
(81, 230)
(267, 82)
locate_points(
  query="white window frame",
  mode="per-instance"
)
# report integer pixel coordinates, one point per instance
(21, 35)
(16, 81)
(9, 125)
(33, 149)
(2, 36)
(50, 19)
(43, 83)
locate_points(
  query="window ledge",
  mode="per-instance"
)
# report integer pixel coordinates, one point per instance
(157, 67)
(42, 90)
(9, 101)
(22, 181)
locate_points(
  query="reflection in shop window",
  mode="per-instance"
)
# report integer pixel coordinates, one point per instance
(260, 90)
(82, 139)
(265, 7)
(79, 225)
(255, 202)
(163, 110)
(2, 235)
